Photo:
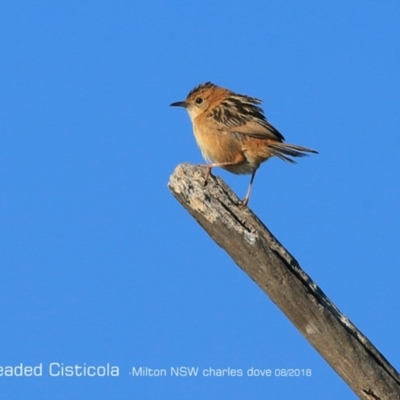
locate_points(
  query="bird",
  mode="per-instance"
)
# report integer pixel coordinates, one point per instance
(233, 133)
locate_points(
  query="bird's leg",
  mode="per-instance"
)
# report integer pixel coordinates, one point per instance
(246, 199)
(208, 173)
(209, 167)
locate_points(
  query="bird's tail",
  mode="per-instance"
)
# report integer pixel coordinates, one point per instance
(285, 150)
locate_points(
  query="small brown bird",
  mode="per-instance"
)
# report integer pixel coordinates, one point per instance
(233, 133)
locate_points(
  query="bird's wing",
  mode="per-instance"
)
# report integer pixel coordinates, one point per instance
(241, 114)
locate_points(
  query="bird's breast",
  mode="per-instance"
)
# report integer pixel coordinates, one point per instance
(215, 145)
(220, 146)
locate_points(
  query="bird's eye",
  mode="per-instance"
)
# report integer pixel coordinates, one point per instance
(199, 100)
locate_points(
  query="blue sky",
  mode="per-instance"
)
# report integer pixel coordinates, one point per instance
(100, 264)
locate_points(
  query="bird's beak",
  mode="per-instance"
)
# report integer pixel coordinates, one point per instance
(179, 104)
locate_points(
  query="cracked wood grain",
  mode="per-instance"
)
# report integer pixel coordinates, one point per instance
(260, 255)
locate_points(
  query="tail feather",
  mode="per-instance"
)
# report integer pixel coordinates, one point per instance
(285, 150)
